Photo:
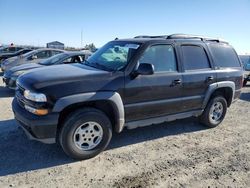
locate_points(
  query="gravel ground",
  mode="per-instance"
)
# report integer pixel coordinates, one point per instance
(177, 154)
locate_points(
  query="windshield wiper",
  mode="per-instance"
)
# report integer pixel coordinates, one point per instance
(97, 65)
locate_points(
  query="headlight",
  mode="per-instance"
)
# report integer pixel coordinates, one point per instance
(37, 97)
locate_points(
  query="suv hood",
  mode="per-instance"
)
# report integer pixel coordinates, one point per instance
(67, 79)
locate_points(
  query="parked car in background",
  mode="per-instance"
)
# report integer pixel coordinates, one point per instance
(4, 56)
(246, 62)
(10, 76)
(10, 49)
(128, 83)
(34, 56)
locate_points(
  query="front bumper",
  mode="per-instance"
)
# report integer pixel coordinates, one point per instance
(40, 128)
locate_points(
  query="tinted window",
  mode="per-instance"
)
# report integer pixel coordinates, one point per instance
(43, 54)
(161, 56)
(224, 56)
(194, 57)
(12, 49)
(55, 52)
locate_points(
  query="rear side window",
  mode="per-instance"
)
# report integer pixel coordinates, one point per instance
(194, 57)
(224, 56)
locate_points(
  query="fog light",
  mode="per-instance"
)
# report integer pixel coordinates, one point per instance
(36, 111)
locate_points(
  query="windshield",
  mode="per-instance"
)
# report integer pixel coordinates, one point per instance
(54, 59)
(113, 56)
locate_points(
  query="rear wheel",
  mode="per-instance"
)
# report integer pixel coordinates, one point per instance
(214, 112)
(85, 133)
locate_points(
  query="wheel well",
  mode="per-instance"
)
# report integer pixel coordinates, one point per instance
(103, 105)
(226, 92)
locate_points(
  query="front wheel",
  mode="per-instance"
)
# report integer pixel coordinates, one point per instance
(214, 112)
(85, 133)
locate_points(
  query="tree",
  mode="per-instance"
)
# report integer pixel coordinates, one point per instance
(90, 47)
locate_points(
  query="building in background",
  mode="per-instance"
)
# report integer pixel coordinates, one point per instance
(55, 44)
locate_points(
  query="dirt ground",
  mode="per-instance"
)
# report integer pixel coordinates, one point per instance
(177, 154)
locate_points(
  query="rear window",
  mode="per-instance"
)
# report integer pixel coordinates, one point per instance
(194, 57)
(224, 56)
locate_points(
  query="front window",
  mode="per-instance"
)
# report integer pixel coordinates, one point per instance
(161, 56)
(113, 56)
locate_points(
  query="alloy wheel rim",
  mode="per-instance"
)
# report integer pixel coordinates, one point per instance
(88, 135)
(216, 112)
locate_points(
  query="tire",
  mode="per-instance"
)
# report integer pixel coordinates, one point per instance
(244, 83)
(214, 119)
(77, 128)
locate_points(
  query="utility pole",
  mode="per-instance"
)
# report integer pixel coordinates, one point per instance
(81, 38)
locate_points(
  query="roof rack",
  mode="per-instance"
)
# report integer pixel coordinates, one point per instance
(203, 38)
(147, 36)
(185, 36)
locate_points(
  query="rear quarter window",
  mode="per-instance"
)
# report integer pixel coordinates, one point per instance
(224, 55)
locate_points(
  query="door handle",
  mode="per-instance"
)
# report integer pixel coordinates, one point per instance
(176, 82)
(210, 78)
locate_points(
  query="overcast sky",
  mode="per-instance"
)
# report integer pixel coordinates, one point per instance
(36, 22)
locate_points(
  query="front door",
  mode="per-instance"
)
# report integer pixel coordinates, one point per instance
(154, 95)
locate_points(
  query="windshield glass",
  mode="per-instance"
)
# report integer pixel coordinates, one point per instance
(54, 59)
(113, 56)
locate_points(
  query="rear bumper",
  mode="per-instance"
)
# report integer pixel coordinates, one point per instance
(40, 128)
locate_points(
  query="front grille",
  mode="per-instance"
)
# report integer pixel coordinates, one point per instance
(20, 88)
(20, 94)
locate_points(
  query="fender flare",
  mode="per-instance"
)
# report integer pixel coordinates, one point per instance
(112, 97)
(217, 85)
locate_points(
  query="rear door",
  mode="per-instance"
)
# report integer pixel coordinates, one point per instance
(198, 74)
(155, 95)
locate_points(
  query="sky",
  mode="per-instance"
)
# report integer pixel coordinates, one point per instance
(36, 22)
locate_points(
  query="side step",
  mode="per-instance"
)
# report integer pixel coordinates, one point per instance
(162, 119)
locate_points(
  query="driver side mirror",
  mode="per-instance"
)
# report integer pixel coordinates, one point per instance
(144, 69)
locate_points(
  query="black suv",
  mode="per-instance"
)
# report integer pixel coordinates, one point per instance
(128, 83)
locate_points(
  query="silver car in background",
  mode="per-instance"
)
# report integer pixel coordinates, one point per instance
(10, 76)
(34, 56)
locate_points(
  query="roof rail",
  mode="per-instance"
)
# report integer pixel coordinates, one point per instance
(147, 36)
(184, 36)
(203, 38)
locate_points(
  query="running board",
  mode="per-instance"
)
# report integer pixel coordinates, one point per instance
(162, 119)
